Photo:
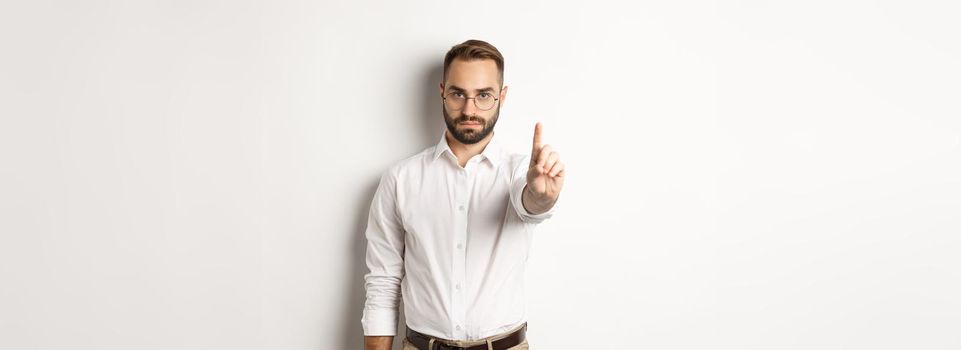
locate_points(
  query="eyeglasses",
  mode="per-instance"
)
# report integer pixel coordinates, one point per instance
(456, 100)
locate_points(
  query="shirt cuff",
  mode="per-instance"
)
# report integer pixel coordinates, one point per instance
(526, 216)
(379, 322)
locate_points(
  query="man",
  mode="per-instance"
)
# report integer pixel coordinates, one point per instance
(450, 228)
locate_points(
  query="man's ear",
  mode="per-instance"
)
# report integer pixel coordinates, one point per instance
(504, 93)
(441, 87)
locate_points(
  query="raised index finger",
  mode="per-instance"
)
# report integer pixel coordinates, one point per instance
(537, 138)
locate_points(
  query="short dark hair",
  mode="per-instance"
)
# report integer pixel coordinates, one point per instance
(474, 50)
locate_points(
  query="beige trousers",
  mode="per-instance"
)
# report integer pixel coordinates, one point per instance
(522, 346)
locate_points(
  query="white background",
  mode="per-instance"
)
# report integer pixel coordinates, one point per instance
(741, 174)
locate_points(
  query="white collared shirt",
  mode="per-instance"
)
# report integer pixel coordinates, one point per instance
(454, 240)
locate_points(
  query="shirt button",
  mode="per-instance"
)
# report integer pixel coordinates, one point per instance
(457, 286)
(458, 327)
(460, 246)
(461, 208)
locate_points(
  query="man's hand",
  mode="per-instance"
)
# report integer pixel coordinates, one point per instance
(378, 342)
(545, 176)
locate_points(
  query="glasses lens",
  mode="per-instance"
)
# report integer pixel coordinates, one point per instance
(484, 102)
(454, 101)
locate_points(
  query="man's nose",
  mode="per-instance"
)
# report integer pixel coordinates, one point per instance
(470, 108)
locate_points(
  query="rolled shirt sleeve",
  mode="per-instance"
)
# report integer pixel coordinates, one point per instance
(385, 261)
(518, 181)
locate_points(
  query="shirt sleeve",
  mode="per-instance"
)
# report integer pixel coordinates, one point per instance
(518, 181)
(385, 261)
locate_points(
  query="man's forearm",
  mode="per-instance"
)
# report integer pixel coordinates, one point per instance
(378, 342)
(533, 205)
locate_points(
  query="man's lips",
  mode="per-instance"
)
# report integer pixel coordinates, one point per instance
(470, 123)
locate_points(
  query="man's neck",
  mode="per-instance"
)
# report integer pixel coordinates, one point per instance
(466, 152)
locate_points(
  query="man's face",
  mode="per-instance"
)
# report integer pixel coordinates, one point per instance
(469, 124)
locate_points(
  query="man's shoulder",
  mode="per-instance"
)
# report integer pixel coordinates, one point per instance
(515, 159)
(414, 162)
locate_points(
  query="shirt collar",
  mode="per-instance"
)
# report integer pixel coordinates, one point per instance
(492, 152)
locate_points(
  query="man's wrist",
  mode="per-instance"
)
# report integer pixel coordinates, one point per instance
(378, 342)
(534, 204)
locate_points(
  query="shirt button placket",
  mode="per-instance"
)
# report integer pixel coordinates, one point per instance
(458, 296)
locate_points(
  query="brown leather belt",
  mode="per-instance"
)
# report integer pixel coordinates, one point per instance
(420, 341)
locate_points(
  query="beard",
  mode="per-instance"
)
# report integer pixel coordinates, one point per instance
(470, 136)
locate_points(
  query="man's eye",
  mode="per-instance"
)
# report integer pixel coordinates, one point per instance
(457, 95)
(484, 96)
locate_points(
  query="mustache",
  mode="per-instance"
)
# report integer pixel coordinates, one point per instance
(470, 119)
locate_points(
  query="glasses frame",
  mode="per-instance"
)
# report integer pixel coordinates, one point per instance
(496, 101)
